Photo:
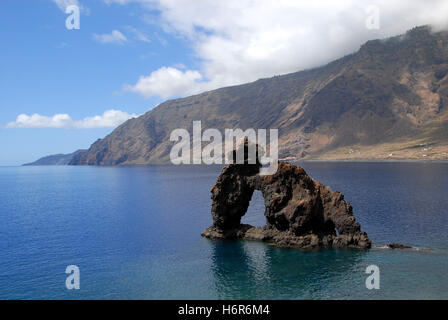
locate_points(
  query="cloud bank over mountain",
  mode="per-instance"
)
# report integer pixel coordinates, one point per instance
(240, 41)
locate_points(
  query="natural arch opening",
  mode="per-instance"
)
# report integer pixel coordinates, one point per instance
(255, 212)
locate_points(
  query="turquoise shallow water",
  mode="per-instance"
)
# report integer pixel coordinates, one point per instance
(135, 234)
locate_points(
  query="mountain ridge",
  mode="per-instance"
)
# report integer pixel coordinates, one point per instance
(388, 100)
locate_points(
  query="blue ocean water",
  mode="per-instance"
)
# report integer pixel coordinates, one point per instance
(135, 234)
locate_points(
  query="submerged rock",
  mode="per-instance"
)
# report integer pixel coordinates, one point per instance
(300, 212)
(394, 245)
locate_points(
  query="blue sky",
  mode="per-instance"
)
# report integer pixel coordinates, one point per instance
(63, 89)
(47, 69)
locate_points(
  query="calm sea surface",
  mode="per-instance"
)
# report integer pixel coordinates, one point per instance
(135, 234)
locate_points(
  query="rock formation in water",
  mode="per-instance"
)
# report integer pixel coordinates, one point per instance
(300, 212)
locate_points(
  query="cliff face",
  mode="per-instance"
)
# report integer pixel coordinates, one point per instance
(389, 100)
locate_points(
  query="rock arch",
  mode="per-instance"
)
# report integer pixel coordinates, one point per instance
(300, 211)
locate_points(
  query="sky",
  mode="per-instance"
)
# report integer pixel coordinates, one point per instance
(63, 88)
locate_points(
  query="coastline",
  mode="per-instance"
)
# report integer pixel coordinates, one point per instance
(374, 160)
(282, 159)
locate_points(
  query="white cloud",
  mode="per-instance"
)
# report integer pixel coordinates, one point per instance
(110, 118)
(168, 81)
(237, 41)
(63, 4)
(138, 35)
(115, 37)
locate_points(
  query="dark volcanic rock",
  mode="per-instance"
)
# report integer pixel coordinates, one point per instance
(300, 212)
(394, 245)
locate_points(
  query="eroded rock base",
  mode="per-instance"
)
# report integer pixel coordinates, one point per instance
(285, 239)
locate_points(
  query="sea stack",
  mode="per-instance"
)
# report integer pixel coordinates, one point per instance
(300, 212)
